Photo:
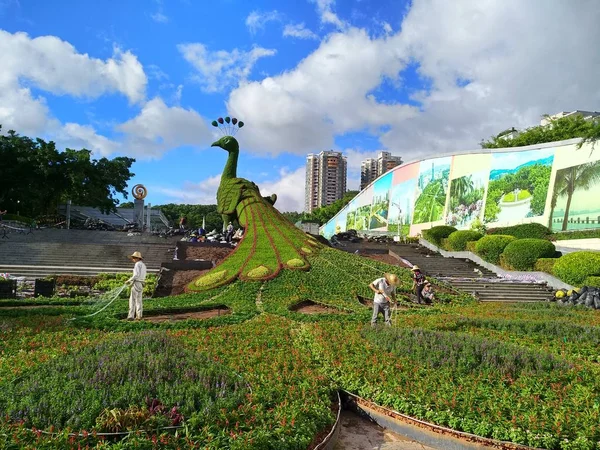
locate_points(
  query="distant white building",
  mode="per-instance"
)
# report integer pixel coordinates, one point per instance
(372, 168)
(587, 115)
(325, 179)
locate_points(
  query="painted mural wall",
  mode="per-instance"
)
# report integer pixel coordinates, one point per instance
(557, 185)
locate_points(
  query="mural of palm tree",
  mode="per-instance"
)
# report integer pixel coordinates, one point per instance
(574, 178)
(461, 187)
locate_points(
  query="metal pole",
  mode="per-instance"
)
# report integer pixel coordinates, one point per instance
(148, 222)
(68, 214)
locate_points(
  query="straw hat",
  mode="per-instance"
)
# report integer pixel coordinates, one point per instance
(427, 282)
(137, 255)
(392, 279)
(415, 268)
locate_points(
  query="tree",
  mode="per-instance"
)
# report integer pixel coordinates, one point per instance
(558, 130)
(323, 214)
(573, 178)
(35, 177)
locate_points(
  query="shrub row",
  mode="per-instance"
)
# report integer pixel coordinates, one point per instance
(457, 241)
(575, 268)
(522, 254)
(523, 231)
(436, 234)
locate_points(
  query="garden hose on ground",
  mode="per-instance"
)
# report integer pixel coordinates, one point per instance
(110, 297)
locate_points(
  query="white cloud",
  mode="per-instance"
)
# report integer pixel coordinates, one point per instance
(289, 188)
(55, 66)
(328, 93)
(257, 20)
(326, 14)
(517, 58)
(221, 69)
(76, 136)
(158, 128)
(159, 17)
(299, 31)
(203, 193)
(485, 67)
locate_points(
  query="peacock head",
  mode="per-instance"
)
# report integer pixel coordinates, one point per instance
(228, 143)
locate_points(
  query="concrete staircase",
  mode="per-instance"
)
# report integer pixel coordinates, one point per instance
(471, 278)
(79, 252)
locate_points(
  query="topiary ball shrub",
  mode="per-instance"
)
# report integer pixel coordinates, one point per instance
(491, 247)
(545, 265)
(522, 254)
(575, 268)
(436, 234)
(130, 375)
(524, 231)
(457, 241)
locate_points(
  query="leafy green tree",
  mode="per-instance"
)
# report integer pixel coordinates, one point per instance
(569, 180)
(324, 214)
(35, 177)
(429, 207)
(558, 130)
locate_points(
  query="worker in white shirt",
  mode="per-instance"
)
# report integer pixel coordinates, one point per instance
(385, 293)
(136, 282)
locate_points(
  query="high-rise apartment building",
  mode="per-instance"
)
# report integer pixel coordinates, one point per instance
(325, 179)
(372, 168)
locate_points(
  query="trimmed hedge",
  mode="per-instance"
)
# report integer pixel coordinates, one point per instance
(457, 241)
(491, 247)
(545, 265)
(472, 246)
(592, 281)
(577, 234)
(523, 231)
(575, 268)
(522, 254)
(436, 234)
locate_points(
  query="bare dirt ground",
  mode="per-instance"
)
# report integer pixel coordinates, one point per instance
(388, 259)
(189, 315)
(216, 254)
(309, 307)
(173, 282)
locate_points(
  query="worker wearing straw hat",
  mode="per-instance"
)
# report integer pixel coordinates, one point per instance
(418, 283)
(136, 282)
(385, 292)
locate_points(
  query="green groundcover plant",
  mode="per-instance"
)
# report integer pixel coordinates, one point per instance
(525, 373)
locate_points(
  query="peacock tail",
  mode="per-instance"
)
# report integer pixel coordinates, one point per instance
(270, 243)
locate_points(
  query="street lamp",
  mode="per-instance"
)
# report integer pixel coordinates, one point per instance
(18, 201)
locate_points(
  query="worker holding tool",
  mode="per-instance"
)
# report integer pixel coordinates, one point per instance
(385, 293)
(137, 281)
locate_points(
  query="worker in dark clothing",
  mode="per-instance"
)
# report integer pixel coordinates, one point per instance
(418, 283)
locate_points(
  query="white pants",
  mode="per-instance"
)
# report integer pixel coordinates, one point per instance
(135, 301)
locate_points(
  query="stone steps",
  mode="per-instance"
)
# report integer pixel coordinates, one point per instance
(463, 275)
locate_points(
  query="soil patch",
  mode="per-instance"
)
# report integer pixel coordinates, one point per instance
(174, 282)
(310, 307)
(199, 315)
(216, 254)
(388, 259)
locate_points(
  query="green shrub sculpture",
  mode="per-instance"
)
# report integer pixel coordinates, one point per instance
(575, 268)
(270, 243)
(524, 231)
(436, 234)
(457, 241)
(545, 265)
(522, 254)
(491, 247)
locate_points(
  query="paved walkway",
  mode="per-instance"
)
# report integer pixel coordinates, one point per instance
(361, 434)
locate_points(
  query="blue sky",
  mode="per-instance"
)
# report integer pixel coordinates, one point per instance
(145, 78)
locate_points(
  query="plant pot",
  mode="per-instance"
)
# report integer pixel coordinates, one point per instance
(44, 288)
(8, 289)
